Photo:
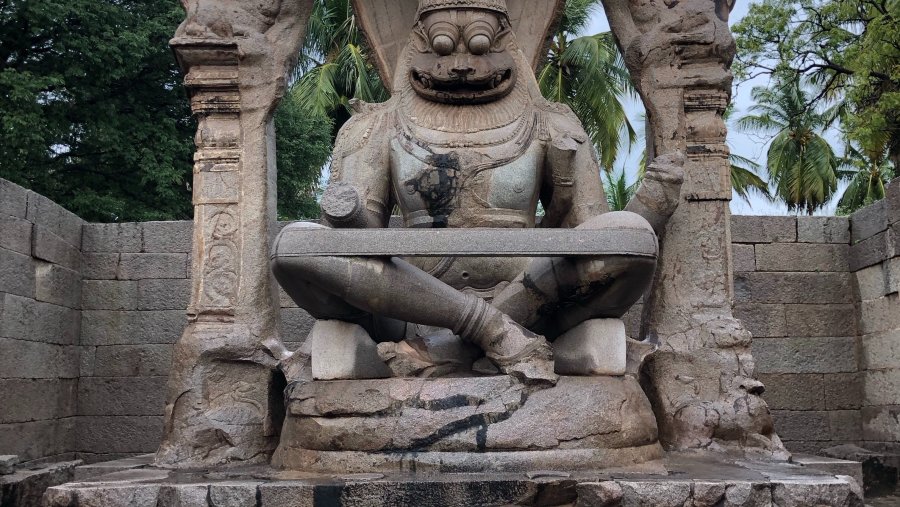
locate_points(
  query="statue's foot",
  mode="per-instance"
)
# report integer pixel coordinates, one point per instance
(522, 354)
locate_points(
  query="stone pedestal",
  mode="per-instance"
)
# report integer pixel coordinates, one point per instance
(472, 424)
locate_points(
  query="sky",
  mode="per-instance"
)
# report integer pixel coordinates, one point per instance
(749, 145)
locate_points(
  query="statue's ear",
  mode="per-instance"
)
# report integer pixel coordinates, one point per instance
(419, 38)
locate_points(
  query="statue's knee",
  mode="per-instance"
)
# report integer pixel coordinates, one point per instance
(617, 220)
(294, 266)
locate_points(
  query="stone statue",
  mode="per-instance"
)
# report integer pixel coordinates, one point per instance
(467, 141)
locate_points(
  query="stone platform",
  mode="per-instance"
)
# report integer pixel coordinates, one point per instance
(467, 424)
(678, 480)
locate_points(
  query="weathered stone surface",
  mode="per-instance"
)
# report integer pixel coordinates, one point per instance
(823, 230)
(49, 247)
(877, 472)
(869, 221)
(109, 295)
(91, 470)
(595, 347)
(15, 234)
(119, 434)
(341, 350)
(744, 257)
(797, 288)
(35, 440)
(26, 486)
(26, 359)
(788, 391)
(821, 320)
(799, 493)
(100, 266)
(117, 238)
(872, 282)
(13, 199)
(233, 494)
(845, 425)
(844, 391)
(167, 237)
(848, 466)
(599, 494)
(133, 360)
(121, 396)
(296, 324)
(58, 285)
(163, 294)
(881, 423)
(16, 273)
(882, 387)
(26, 319)
(880, 315)
(58, 220)
(803, 425)
(754, 229)
(8, 464)
(462, 415)
(140, 266)
(289, 495)
(132, 495)
(802, 257)
(26, 400)
(871, 251)
(763, 321)
(183, 495)
(109, 327)
(881, 350)
(805, 355)
(657, 493)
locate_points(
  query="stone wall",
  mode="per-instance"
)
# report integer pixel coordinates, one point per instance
(794, 291)
(875, 260)
(40, 302)
(90, 313)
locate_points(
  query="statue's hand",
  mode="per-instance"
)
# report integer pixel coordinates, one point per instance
(667, 169)
(342, 206)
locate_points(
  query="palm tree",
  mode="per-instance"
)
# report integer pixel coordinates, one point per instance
(588, 74)
(869, 170)
(334, 66)
(618, 191)
(802, 165)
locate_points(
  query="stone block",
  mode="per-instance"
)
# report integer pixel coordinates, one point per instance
(21, 359)
(881, 423)
(813, 425)
(844, 391)
(832, 466)
(788, 391)
(344, 351)
(233, 494)
(869, 221)
(893, 275)
(845, 424)
(109, 327)
(805, 355)
(8, 464)
(892, 199)
(872, 282)
(744, 257)
(871, 251)
(656, 493)
(881, 350)
(286, 495)
(26, 400)
(182, 495)
(802, 257)
(27, 319)
(880, 315)
(122, 395)
(60, 221)
(109, 295)
(112, 238)
(15, 234)
(758, 229)
(119, 434)
(135, 495)
(51, 248)
(56, 284)
(141, 266)
(88, 361)
(100, 266)
(632, 320)
(163, 294)
(296, 324)
(103, 327)
(796, 288)
(96, 469)
(168, 237)
(26, 486)
(823, 230)
(133, 360)
(35, 440)
(820, 320)
(16, 273)
(13, 199)
(762, 320)
(882, 387)
(594, 347)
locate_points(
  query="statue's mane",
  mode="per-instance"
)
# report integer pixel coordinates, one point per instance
(387, 25)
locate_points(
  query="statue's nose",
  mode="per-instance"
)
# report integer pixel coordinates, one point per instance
(462, 67)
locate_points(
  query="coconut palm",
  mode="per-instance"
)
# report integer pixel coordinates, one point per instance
(618, 191)
(802, 165)
(869, 170)
(588, 74)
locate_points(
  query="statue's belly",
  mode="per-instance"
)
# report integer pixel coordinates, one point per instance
(474, 188)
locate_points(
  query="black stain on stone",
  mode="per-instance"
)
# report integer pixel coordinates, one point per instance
(438, 185)
(328, 495)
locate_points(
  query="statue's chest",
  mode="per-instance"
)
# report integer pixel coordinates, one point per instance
(490, 186)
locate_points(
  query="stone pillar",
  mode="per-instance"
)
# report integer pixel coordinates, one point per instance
(700, 381)
(224, 400)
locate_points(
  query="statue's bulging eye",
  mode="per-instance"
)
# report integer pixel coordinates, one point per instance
(479, 44)
(443, 44)
(479, 36)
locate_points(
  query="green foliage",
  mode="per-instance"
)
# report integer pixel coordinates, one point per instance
(93, 115)
(869, 172)
(588, 74)
(618, 191)
(802, 166)
(848, 50)
(303, 147)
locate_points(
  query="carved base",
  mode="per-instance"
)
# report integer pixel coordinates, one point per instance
(472, 424)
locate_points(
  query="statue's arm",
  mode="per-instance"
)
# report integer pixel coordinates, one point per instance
(573, 190)
(358, 192)
(660, 191)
